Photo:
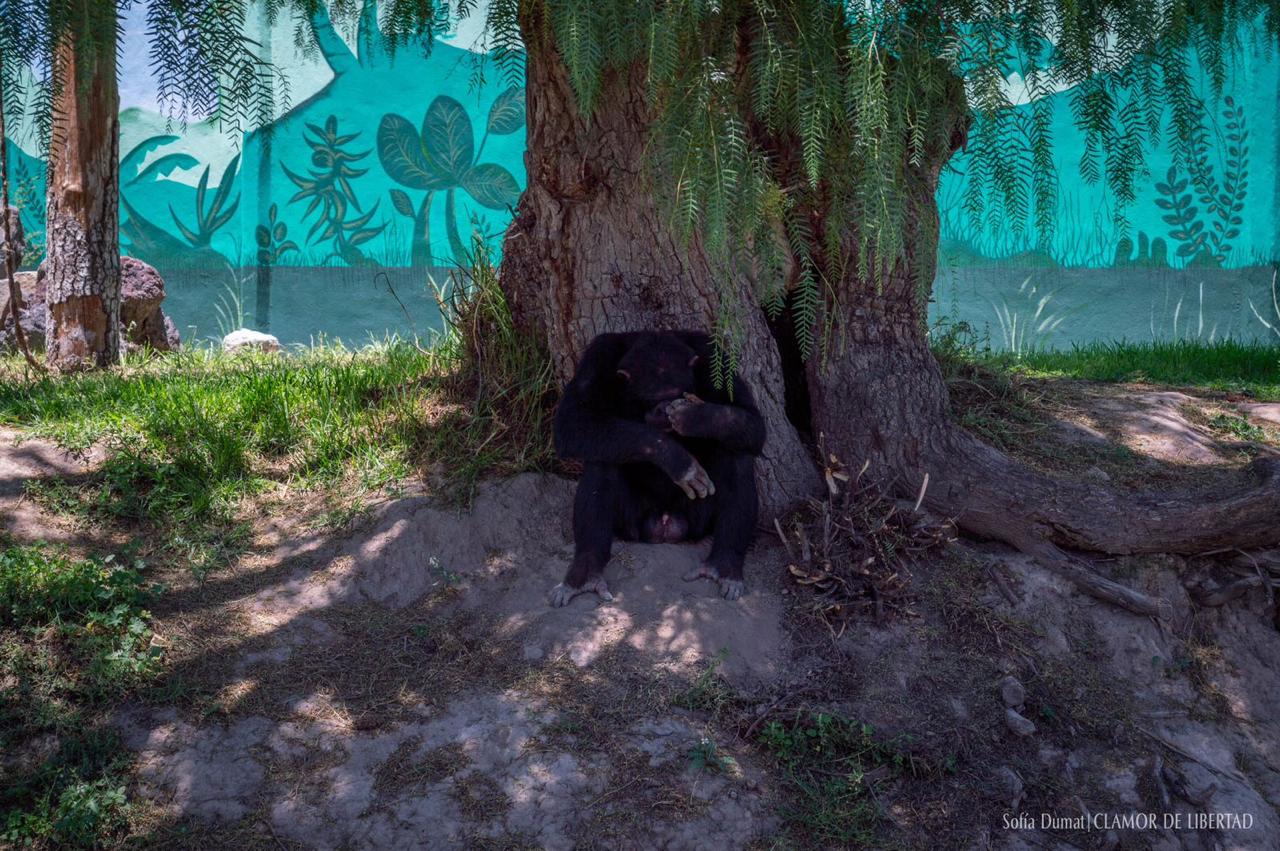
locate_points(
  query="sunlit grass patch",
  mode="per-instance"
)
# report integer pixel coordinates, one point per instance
(1252, 369)
(185, 438)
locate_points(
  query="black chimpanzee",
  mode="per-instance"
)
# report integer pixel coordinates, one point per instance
(667, 456)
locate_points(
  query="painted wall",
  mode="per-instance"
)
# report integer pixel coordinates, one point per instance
(380, 169)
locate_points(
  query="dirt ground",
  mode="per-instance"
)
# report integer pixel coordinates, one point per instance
(404, 684)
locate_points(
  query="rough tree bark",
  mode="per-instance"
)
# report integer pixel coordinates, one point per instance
(83, 239)
(588, 252)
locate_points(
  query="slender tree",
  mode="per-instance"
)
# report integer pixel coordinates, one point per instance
(60, 58)
(83, 202)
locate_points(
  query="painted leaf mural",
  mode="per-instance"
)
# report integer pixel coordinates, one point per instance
(492, 186)
(506, 116)
(447, 138)
(442, 158)
(402, 155)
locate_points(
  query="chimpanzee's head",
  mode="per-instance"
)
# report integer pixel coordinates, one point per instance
(658, 368)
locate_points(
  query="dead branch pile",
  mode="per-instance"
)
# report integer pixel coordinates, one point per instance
(853, 549)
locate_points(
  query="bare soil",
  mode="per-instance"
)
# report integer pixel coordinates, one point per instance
(404, 684)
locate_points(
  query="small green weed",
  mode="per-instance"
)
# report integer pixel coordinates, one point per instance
(824, 760)
(1238, 427)
(709, 692)
(706, 756)
(73, 635)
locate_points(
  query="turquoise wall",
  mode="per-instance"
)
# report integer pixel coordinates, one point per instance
(380, 169)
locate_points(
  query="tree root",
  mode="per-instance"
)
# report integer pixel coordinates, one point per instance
(994, 496)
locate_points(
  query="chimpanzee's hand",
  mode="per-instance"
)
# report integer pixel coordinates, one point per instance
(657, 417)
(694, 481)
(681, 414)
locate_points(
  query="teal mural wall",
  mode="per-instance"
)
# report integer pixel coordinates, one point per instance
(381, 167)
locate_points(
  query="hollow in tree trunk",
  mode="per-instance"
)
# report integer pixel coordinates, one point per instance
(83, 240)
(588, 252)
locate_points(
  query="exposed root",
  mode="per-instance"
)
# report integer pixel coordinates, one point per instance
(995, 497)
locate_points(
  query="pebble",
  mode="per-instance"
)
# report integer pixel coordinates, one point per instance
(1018, 724)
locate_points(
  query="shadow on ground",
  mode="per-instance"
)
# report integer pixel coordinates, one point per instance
(406, 685)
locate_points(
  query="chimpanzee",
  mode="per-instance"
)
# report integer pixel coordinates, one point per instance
(667, 456)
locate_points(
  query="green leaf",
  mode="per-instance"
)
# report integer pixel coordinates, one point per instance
(447, 139)
(506, 116)
(492, 186)
(171, 162)
(400, 152)
(400, 200)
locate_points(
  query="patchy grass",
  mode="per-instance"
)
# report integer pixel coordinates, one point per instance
(187, 438)
(73, 636)
(828, 764)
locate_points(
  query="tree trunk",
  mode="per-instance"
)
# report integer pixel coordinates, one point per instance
(588, 252)
(83, 238)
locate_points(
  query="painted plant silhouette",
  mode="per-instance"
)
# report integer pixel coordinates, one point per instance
(443, 157)
(328, 186)
(152, 243)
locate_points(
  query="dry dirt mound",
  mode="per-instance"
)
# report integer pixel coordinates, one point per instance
(493, 744)
(406, 685)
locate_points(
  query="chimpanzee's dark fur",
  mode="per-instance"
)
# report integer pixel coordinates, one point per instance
(638, 412)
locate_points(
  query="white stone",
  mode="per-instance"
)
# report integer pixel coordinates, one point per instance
(248, 339)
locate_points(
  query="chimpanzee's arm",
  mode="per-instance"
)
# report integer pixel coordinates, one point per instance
(737, 425)
(587, 425)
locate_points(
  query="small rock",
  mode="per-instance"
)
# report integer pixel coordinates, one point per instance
(532, 653)
(247, 339)
(1010, 785)
(1018, 724)
(1012, 692)
(1098, 474)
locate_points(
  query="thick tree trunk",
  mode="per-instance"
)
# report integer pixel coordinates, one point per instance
(83, 239)
(589, 252)
(878, 396)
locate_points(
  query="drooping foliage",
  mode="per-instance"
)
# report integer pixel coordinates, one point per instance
(787, 133)
(205, 66)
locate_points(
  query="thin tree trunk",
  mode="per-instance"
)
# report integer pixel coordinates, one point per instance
(83, 238)
(589, 252)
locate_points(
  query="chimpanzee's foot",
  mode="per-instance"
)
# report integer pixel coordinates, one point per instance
(730, 589)
(562, 594)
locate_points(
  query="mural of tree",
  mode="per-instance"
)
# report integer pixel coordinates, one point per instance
(443, 158)
(330, 192)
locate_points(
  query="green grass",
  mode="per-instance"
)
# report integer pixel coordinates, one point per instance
(1251, 369)
(824, 758)
(189, 436)
(73, 637)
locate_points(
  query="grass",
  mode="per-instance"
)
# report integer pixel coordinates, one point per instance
(824, 759)
(73, 636)
(1250, 369)
(189, 437)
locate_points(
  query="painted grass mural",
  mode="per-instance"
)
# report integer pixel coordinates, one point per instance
(329, 219)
